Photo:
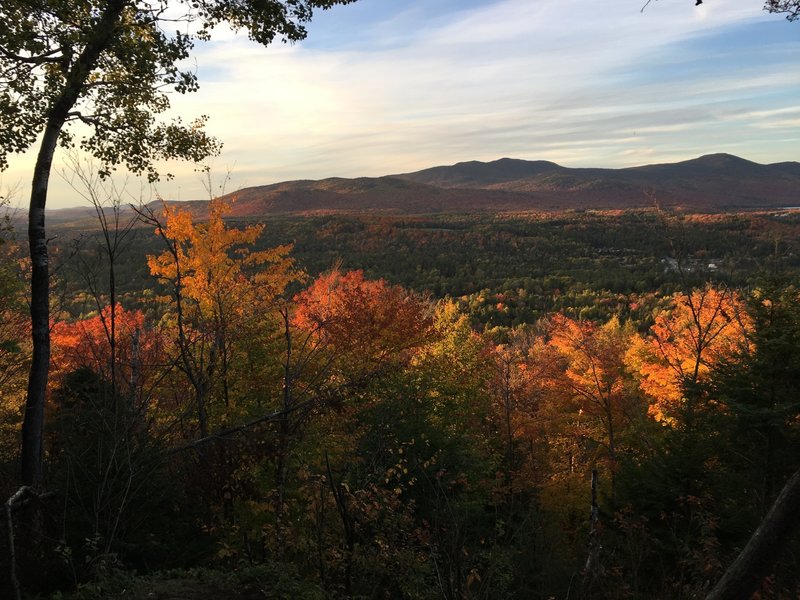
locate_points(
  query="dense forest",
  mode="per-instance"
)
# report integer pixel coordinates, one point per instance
(561, 405)
(588, 264)
(325, 396)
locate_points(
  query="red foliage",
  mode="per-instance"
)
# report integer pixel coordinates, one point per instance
(371, 321)
(86, 343)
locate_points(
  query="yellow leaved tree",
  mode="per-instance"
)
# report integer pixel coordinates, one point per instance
(223, 294)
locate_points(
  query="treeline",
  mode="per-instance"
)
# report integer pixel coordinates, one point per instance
(340, 436)
(585, 264)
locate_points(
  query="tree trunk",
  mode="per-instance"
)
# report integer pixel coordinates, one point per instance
(33, 423)
(57, 114)
(593, 570)
(612, 448)
(754, 563)
(284, 429)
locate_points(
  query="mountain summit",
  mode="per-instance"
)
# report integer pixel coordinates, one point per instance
(710, 182)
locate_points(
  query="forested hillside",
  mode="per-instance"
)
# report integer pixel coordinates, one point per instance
(717, 182)
(499, 379)
(409, 407)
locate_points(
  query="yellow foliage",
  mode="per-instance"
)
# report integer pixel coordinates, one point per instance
(224, 299)
(213, 265)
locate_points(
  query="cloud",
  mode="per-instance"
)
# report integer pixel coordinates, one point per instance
(386, 87)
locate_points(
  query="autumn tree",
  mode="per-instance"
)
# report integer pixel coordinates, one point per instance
(525, 382)
(689, 488)
(14, 324)
(109, 428)
(510, 388)
(314, 480)
(699, 330)
(365, 323)
(790, 8)
(758, 388)
(218, 286)
(139, 361)
(347, 332)
(596, 374)
(443, 406)
(97, 266)
(11, 302)
(98, 75)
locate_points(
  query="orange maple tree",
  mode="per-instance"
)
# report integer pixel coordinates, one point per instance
(697, 331)
(366, 322)
(524, 385)
(214, 262)
(85, 343)
(595, 373)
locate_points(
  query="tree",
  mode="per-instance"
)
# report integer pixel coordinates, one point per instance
(701, 329)
(772, 536)
(791, 8)
(100, 274)
(349, 332)
(596, 375)
(759, 392)
(527, 371)
(108, 67)
(87, 344)
(363, 324)
(218, 286)
(13, 334)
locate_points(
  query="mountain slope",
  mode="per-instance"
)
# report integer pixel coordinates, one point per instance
(711, 182)
(480, 174)
(375, 194)
(714, 181)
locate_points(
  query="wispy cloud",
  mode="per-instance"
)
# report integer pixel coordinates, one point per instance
(385, 86)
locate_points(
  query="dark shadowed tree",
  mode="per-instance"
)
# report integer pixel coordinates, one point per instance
(791, 8)
(97, 75)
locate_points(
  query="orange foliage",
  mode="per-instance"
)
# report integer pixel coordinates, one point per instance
(224, 299)
(212, 261)
(85, 343)
(596, 374)
(525, 388)
(595, 369)
(525, 371)
(700, 329)
(369, 321)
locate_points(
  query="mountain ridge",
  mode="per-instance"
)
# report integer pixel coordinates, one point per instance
(710, 182)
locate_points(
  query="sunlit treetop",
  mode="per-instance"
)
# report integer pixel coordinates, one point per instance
(700, 330)
(215, 265)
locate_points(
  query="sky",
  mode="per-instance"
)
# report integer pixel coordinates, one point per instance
(393, 86)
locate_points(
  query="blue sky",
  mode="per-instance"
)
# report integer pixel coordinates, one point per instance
(389, 86)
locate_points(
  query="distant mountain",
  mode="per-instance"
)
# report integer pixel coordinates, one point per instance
(392, 195)
(711, 182)
(480, 174)
(714, 181)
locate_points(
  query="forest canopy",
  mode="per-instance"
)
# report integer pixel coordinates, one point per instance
(589, 404)
(354, 434)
